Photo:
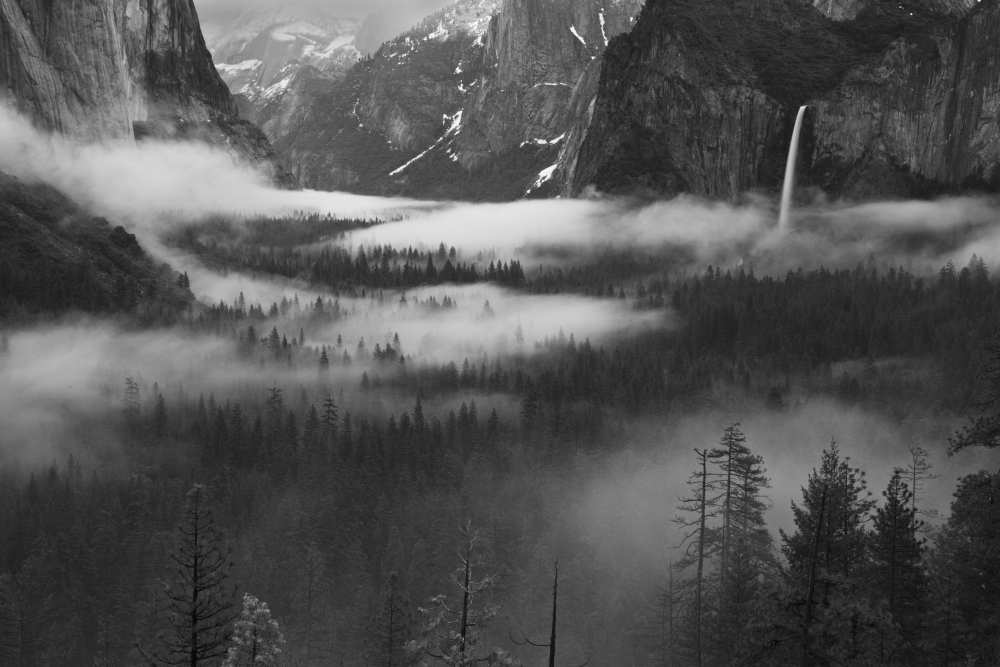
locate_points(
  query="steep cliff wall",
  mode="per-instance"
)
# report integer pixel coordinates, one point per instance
(472, 103)
(689, 101)
(849, 10)
(114, 69)
(701, 95)
(922, 118)
(536, 52)
(354, 132)
(170, 65)
(65, 65)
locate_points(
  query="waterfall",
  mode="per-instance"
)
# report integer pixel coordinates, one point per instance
(788, 191)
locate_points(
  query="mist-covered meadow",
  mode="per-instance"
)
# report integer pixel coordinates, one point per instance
(401, 414)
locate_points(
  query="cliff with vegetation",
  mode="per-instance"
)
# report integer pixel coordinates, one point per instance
(701, 98)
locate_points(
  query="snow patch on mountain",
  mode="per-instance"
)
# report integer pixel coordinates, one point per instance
(544, 176)
(259, 52)
(455, 126)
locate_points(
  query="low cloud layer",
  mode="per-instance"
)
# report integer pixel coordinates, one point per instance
(154, 185)
(486, 320)
(154, 182)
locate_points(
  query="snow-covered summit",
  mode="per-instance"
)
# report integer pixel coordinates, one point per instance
(257, 51)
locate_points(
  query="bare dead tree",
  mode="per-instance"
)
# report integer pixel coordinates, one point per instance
(702, 506)
(551, 644)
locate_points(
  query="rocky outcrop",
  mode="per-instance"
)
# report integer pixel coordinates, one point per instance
(354, 133)
(690, 100)
(65, 65)
(534, 57)
(701, 97)
(924, 117)
(258, 51)
(114, 69)
(848, 10)
(473, 103)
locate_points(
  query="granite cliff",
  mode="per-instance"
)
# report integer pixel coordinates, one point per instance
(116, 69)
(700, 97)
(473, 103)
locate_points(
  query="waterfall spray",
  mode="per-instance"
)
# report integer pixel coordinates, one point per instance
(788, 191)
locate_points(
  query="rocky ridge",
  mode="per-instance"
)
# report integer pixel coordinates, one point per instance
(472, 103)
(903, 100)
(118, 69)
(257, 52)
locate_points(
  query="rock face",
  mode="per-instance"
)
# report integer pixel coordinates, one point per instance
(692, 101)
(472, 103)
(259, 51)
(353, 133)
(534, 59)
(903, 100)
(65, 65)
(921, 118)
(848, 10)
(114, 69)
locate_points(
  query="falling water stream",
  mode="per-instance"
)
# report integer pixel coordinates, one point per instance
(788, 191)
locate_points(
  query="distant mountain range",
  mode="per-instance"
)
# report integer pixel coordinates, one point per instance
(257, 52)
(474, 102)
(502, 99)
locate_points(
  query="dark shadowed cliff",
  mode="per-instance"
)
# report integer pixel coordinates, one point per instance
(700, 97)
(472, 103)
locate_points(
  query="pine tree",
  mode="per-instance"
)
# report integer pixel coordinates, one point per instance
(748, 546)
(312, 439)
(275, 424)
(312, 591)
(827, 554)
(836, 494)
(199, 600)
(452, 630)
(131, 402)
(257, 639)
(700, 544)
(732, 449)
(916, 473)
(898, 576)
(160, 416)
(329, 423)
(392, 626)
(660, 628)
(966, 603)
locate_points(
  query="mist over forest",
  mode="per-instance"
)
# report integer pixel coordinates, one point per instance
(396, 432)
